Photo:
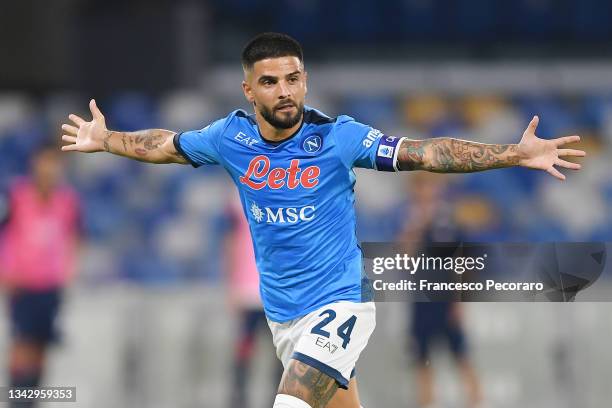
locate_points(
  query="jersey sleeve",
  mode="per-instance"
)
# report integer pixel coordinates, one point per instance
(363, 146)
(201, 147)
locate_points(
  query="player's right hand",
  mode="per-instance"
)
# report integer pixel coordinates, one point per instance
(86, 137)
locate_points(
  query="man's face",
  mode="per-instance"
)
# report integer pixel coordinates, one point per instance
(277, 88)
(47, 169)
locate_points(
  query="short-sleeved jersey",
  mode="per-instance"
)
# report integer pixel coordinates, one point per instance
(298, 198)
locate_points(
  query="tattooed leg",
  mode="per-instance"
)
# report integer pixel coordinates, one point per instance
(308, 384)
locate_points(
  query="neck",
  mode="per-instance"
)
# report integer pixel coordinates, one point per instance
(273, 134)
(44, 193)
(43, 189)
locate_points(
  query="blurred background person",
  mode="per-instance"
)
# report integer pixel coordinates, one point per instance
(39, 239)
(431, 220)
(245, 303)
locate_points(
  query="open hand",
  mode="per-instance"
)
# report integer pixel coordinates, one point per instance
(86, 136)
(544, 154)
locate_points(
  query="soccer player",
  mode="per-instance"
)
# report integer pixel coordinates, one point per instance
(293, 167)
(244, 300)
(38, 248)
(431, 220)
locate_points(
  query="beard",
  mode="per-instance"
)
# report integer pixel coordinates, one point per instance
(282, 120)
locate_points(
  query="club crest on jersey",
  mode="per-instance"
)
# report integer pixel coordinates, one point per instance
(312, 144)
(259, 175)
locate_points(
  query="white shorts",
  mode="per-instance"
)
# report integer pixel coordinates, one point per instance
(329, 339)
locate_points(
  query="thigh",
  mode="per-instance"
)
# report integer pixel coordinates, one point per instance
(317, 388)
(320, 351)
(329, 339)
(33, 315)
(307, 383)
(346, 398)
(334, 338)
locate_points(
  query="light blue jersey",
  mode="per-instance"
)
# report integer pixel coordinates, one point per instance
(298, 198)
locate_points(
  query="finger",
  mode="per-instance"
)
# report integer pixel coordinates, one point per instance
(95, 112)
(571, 152)
(567, 139)
(72, 130)
(533, 124)
(70, 139)
(76, 119)
(70, 148)
(555, 173)
(567, 165)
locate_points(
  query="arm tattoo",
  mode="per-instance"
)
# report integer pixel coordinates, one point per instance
(307, 383)
(143, 145)
(447, 155)
(149, 142)
(106, 139)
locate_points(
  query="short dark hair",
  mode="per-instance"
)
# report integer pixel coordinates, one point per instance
(270, 45)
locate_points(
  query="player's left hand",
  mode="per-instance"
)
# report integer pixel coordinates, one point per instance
(545, 154)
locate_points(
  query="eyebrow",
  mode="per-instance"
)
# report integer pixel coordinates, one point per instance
(274, 78)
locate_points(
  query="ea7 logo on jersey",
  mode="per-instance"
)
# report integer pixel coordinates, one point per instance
(371, 137)
(292, 177)
(282, 215)
(242, 138)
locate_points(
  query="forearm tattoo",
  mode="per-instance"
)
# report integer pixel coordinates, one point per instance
(136, 144)
(148, 141)
(107, 148)
(447, 155)
(309, 384)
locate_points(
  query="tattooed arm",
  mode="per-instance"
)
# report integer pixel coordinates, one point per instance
(447, 155)
(152, 146)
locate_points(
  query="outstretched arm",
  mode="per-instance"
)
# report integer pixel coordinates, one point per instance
(448, 155)
(152, 146)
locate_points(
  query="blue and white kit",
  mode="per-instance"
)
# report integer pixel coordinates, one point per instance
(299, 201)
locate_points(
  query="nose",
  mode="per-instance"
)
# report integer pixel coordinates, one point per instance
(284, 90)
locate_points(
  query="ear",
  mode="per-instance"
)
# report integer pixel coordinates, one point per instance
(305, 83)
(248, 92)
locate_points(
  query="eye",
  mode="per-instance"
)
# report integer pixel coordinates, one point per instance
(293, 79)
